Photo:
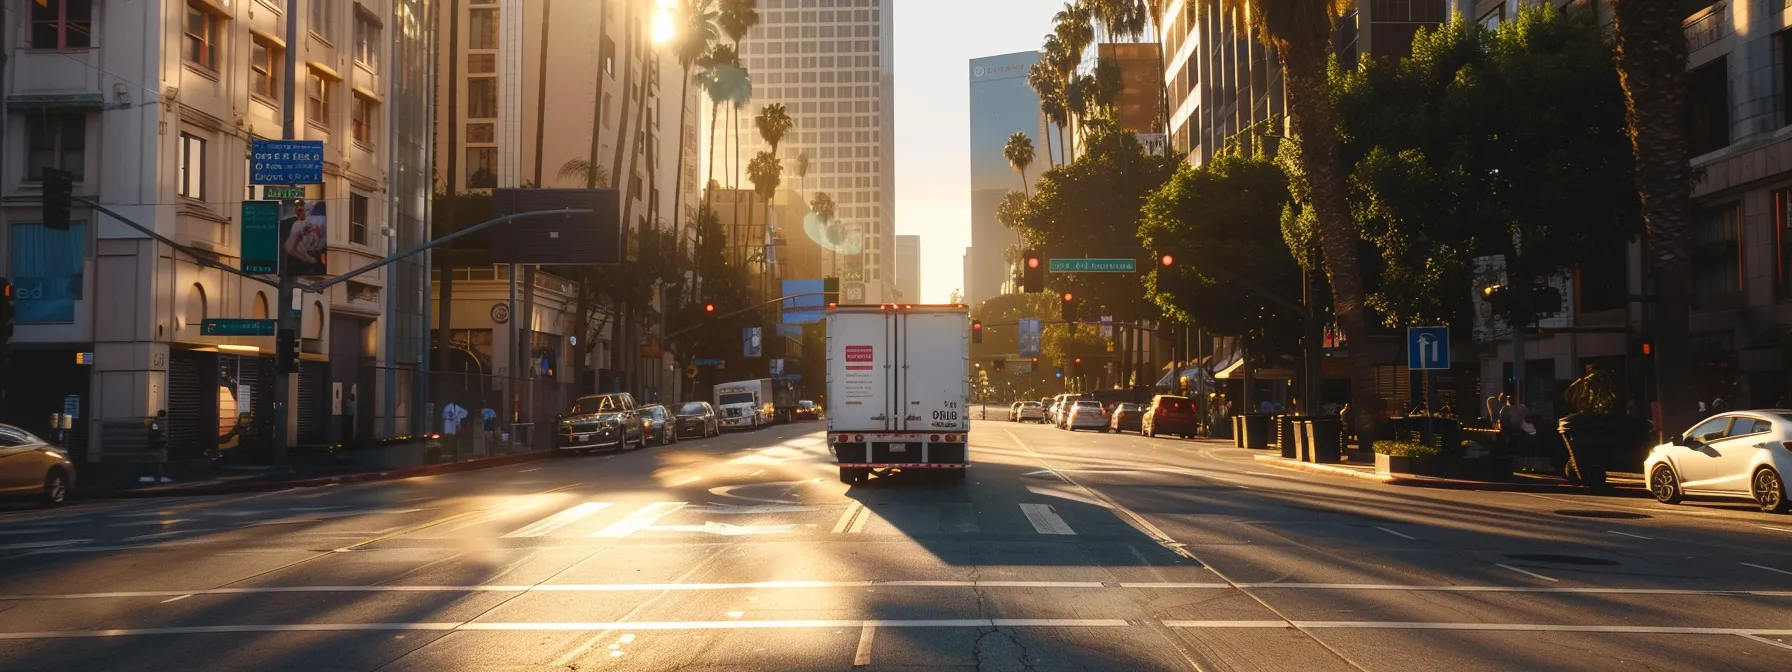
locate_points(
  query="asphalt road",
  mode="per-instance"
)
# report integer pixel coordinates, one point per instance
(1063, 551)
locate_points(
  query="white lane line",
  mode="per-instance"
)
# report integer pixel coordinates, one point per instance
(862, 656)
(146, 523)
(858, 525)
(28, 530)
(639, 519)
(177, 598)
(800, 585)
(1776, 529)
(1539, 627)
(558, 520)
(1524, 572)
(588, 626)
(1627, 534)
(692, 479)
(1770, 569)
(852, 510)
(1045, 520)
(1228, 624)
(42, 544)
(525, 471)
(1768, 642)
(1397, 534)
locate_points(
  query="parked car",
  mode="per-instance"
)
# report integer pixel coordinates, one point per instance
(1169, 414)
(806, 410)
(1025, 411)
(1086, 414)
(600, 421)
(697, 418)
(658, 425)
(1126, 417)
(30, 466)
(1741, 454)
(1060, 411)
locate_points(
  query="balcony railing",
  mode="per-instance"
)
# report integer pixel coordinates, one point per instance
(1707, 28)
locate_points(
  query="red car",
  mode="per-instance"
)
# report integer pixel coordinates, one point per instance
(1169, 414)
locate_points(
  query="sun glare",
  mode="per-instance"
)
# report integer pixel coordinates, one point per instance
(664, 29)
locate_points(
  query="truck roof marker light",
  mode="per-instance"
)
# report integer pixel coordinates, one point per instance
(858, 438)
(933, 438)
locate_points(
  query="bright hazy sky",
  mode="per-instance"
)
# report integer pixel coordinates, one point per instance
(935, 40)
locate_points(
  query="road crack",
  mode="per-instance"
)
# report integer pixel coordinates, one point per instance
(1000, 652)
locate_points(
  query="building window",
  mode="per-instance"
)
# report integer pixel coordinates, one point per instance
(367, 38)
(481, 133)
(317, 98)
(1782, 229)
(482, 167)
(482, 64)
(1717, 257)
(607, 56)
(61, 24)
(323, 18)
(46, 269)
(56, 141)
(192, 166)
(202, 35)
(482, 98)
(362, 112)
(482, 29)
(265, 61)
(1708, 108)
(357, 219)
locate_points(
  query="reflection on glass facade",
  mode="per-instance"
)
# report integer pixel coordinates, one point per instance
(411, 182)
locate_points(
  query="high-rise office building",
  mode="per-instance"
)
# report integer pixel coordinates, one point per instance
(1001, 104)
(829, 63)
(908, 268)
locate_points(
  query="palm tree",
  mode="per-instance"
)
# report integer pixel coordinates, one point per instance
(1019, 152)
(721, 71)
(774, 123)
(1652, 67)
(800, 168)
(581, 170)
(1050, 89)
(737, 17)
(766, 173)
(1073, 29)
(696, 23)
(1300, 34)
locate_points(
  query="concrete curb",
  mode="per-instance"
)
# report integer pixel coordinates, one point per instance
(1437, 483)
(247, 486)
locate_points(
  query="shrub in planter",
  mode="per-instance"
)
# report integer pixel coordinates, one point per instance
(1405, 457)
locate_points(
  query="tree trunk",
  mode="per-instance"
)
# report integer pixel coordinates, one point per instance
(684, 97)
(1304, 71)
(715, 110)
(625, 140)
(1652, 68)
(541, 89)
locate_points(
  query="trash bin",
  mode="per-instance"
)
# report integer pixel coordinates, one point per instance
(1237, 430)
(1325, 440)
(1594, 441)
(1254, 430)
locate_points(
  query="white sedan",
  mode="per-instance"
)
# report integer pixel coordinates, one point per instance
(1023, 411)
(1745, 454)
(1086, 414)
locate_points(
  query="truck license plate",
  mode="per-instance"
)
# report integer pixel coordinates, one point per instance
(898, 447)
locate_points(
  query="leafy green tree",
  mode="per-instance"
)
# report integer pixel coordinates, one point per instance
(1223, 221)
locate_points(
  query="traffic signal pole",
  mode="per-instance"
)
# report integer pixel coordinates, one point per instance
(286, 298)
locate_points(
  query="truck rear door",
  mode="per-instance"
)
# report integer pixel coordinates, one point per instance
(861, 356)
(934, 375)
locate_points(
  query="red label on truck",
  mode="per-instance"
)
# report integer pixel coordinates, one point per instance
(858, 353)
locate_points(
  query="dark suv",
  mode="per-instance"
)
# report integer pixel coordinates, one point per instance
(600, 421)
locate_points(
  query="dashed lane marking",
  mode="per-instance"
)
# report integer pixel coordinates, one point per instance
(1045, 520)
(852, 510)
(27, 545)
(1770, 569)
(1397, 534)
(1627, 534)
(1525, 572)
(558, 520)
(862, 656)
(639, 519)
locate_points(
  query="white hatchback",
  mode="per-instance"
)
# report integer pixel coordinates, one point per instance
(1086, 414)
(1023, 411)
(1742, 454)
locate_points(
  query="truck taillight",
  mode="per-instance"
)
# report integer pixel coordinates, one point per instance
(951, 438)
(934, 438)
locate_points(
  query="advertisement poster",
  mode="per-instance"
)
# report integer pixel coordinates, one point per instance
(304, 239)
(1029, 337)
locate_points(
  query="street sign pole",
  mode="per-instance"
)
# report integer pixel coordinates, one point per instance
(286, 302)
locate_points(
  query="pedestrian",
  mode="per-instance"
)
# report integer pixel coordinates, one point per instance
(348, 418)
(452, 415)
(1495, 404)
(1515, 425)
(1266, 407)
(488, 420)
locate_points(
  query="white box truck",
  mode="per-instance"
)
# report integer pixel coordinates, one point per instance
(746, 404)
(898, 382)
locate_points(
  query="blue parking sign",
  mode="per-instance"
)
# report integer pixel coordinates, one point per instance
(286, 162)
(1427, 348)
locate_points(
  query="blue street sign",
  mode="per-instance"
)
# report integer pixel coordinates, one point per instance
(707, 362)
(286, 162)
(1427, 348)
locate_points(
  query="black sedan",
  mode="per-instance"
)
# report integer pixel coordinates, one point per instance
(657, 425)
(698, 418)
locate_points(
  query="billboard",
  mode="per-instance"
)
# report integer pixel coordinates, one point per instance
(304, 238)
(557, 239)
(1029, 337)
(803, 309)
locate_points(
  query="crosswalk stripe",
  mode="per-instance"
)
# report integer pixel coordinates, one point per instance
(846, 517)
(858, 526)
(558, 520)
(1045, 520)
(639, 520)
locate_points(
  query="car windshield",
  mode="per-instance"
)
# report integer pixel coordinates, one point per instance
(1088, 404)
(608, 403)
(805, 404)
(692, 408)
(736, 398)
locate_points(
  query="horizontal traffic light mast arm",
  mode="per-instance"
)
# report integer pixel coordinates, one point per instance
(202, 258)
(781, 299)
(319, 287)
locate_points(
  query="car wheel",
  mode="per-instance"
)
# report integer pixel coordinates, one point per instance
(1664, 485)
(1770, 491)
(55, 488)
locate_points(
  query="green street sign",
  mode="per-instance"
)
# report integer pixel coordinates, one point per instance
(236, 327)
(274, 192)
(1092, 266)
(261, 237)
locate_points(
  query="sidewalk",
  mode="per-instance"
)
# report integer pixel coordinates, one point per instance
(1616, 482)
(110, 482)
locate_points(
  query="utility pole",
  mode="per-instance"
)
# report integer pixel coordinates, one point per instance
(288, 299)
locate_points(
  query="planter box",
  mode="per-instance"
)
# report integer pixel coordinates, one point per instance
(393, 455)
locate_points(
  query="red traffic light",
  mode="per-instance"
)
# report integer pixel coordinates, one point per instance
(1032, 262)
(1078, 360)
(977, 325)
(1068, 298)
(709, 307)
(1167, 260)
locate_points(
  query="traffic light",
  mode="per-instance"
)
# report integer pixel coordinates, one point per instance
(997, 364)
(1059, 372)
(976, 331)
(830, 290)
(5, 324)
(286, 350)
(1166, 260)
(1032, 272)
(1498, 299)
(1545, 300)
(59, 197)
(709, 308)
(1069, 308)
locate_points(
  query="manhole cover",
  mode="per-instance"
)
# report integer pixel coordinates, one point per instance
(1562, 559)
(1599, 513)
